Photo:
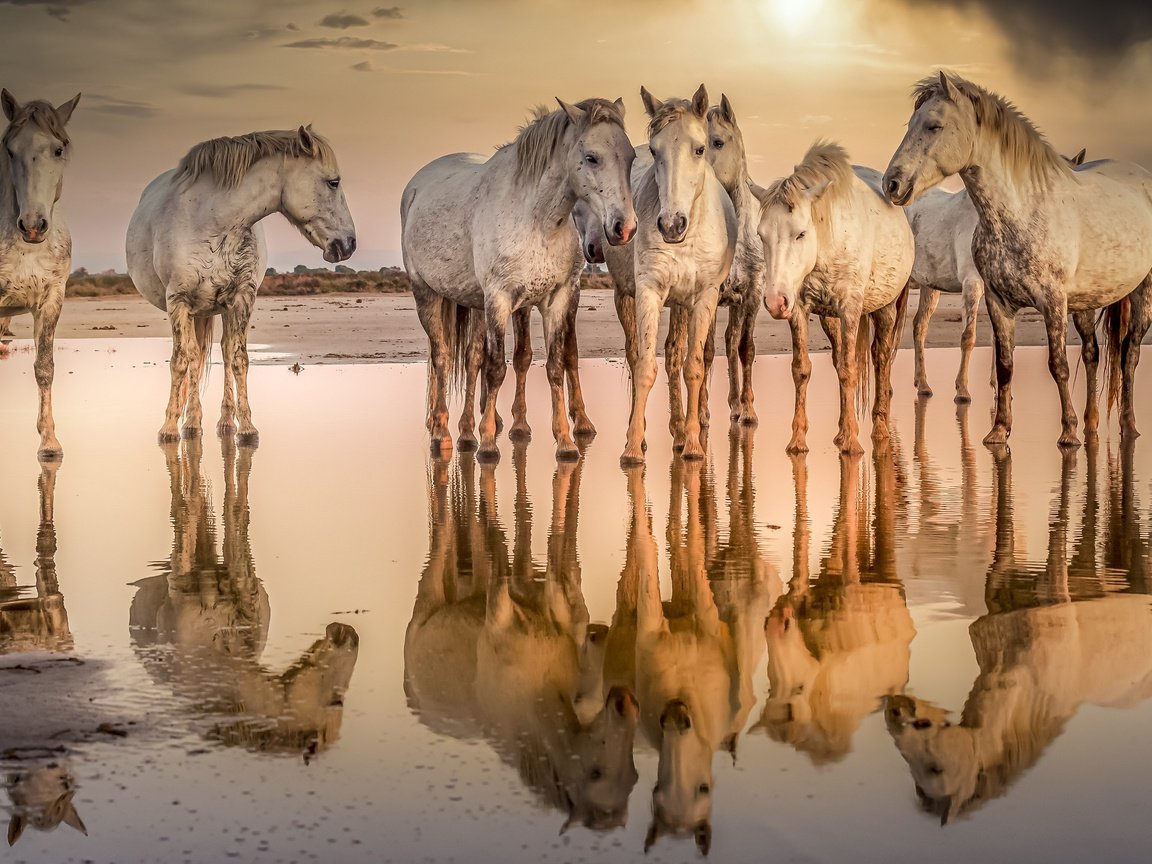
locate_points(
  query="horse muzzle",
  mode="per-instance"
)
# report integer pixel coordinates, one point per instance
(33, 230)
(896, 187)
(676, 717)
(777, 306)
(673, 228)
(342, 635)
(340, 249)
(594, 252)
(620, 232)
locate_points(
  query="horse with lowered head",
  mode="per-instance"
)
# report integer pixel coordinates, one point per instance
(196, 251)
(1048, 237)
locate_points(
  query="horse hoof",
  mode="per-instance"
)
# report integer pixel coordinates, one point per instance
(631, 457)
(997, 437)
(190, 433)
(1068, 441)
(567, 453)
(851, 447)
(749, 419)
(924, 390)
(488, 454)
(225, 430)
(50, 453)
(168, 436)
(796, 446)
(1129, 433)
(962, 397)
(880, 430)
(467, 443)
(248, 439)
(584, 429)
(520, 432)
(692, 452)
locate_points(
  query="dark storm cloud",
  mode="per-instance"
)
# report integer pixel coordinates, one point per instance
(387, 12)
(346, 43)
(341, 21)
(1101, 31)
(223, 91)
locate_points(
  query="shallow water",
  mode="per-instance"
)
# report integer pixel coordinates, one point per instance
(171, 680)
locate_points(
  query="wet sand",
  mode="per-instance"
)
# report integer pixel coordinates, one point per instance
(384, 328)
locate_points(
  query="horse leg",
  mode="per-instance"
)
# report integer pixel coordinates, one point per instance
(1090, 352)
(801, 372)
(44, 320)
(732, 334)
(473, 360)
(236, 320)
(496, 314)
(1055, 314)
(705, 410)
(226, 425)
(883, 354)
(1004, 328)
(701, 321)
(972, 293)
(847, 439)
(674, 348)
(649, 302)
(556, 320)
(831, 327)
(183, 356)
(521, 362)
(747, 363)
(929, 297)
(1141, 317)
(581, 424)
(428, 309)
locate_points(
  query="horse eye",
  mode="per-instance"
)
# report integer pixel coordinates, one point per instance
(921, 723)
(718, 144)
(592, 159)
(595, 774)
(334, 183)
(801, 235)
(935, 127)
(59, 152)
(704, 789)
(699, 151)
(935, 770)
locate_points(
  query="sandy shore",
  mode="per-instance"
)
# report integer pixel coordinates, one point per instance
(384, 328)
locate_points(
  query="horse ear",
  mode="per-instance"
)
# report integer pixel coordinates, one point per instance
(700, 101)
(651, 103)
(946, 88)
(950, 811)
(704, 837)
(19, 820)
(306, 140)
(576, 115)
(726, 109)
(1078, 159)
(760, 194)
(11, 106)
(72, 819)
(814, 192)
(64, 112)
(649, 839)
(619, 103)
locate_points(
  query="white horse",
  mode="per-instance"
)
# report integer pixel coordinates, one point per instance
(744, 288)
(35, 244)
(834, 246)
(496, 234)
(682, 255)
(1048, 237)
(943, 223)
(195, 250)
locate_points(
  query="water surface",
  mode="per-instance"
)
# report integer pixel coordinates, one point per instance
(336, 648)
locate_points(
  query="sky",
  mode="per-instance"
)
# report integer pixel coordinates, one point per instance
(395, 86)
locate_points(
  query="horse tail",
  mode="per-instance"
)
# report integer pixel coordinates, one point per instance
(901, 314)
(1115, 319)
(863, 350)
(457, 322)
(205, 329)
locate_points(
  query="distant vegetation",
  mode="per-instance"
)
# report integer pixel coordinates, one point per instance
(301, 282)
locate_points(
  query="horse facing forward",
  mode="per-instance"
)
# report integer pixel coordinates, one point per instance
(496, 235)
(1048, 237)
(35, 244)
(195, 250)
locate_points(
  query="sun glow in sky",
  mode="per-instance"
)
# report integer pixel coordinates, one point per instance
(795, 16)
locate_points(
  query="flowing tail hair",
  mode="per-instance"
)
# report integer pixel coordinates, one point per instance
(864, 348)
(1115, 319)
(204, 329)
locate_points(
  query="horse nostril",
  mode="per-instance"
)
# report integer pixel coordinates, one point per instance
(618, 229)
(20, 225)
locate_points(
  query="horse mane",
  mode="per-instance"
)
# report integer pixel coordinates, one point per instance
(1026, 151)
(228, 159)
(43, 115)
(825, 161)
(539, 140)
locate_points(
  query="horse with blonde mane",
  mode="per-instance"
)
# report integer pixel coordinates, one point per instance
(511, 246)
(683, 254)
(1048, 237)
(196, 251)
(943, 223)
(834, 246)
(35, 244)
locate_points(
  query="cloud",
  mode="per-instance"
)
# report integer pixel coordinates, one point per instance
(433, 48)
(223, 91)
(58, 9)
(345, 43)
(1100, 32)
(120, 107)
(392, 12)
(342, 21)
(368, 66)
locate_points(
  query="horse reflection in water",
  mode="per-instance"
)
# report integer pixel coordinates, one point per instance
(839, 645)
(1055, 638)
(39, 782)
(200, 626)
(691, 657)
(499, 648)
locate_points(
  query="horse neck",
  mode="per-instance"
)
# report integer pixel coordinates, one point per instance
(1002, 198)
(7, 195)
(551, 199)
(259, 194)
(747, 211)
